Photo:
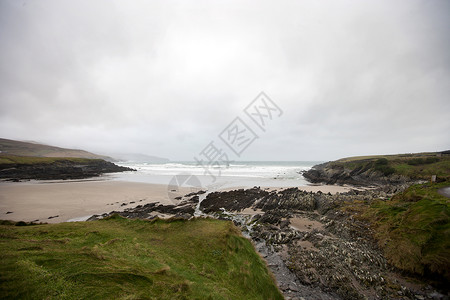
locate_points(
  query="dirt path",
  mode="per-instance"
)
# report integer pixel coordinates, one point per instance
(445, 192)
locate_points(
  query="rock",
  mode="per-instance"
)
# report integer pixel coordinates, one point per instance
(437, 296)
(284, 224)
(195, 193)
(184, 210)
(236, 200)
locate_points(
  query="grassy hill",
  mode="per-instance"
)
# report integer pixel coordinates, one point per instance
(413, 229)
(382, 169)
(119, 258)
(11, 147)
(414, 165)
(6, 160)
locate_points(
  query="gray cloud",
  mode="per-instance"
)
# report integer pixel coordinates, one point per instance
(165, 77)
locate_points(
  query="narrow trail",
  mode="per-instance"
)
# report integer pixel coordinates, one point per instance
(445, 191)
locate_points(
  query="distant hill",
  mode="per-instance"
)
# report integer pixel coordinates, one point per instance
(11, 147)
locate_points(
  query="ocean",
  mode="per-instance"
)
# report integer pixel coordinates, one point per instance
(244, 174)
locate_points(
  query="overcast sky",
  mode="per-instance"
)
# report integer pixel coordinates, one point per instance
(166, 78)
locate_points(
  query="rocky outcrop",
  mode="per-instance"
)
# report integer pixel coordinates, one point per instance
(232, 201)
(314, 247)
(184, 209)
(335, 173)
(59, 169)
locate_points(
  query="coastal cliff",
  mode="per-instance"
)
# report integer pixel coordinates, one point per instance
(382, 170)
(17, 168)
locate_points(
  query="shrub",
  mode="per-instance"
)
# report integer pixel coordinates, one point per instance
(381, 162)
(386, 170)
(430, 160)
(422, 161)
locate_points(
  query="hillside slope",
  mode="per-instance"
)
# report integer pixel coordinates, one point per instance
(413, 229)
(11, 147)
(382, 169)
(118, 258)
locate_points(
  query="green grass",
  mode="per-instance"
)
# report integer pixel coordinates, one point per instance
(413, 229)
(441, 168)
(406, 156)
(29, 160)
(120, 258)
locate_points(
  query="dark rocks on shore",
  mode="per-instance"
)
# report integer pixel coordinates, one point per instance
(61, 169)
(335, 258)
(185, 209)
(232, 201)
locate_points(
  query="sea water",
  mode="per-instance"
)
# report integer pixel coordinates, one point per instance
(244, 174)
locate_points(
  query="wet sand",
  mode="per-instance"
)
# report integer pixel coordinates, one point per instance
(305, 224)
(61, 201)
(39, 201)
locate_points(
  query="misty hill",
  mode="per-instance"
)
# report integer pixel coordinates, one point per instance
(11, 147)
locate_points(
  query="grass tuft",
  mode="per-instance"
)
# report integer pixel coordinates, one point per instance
(413, 229)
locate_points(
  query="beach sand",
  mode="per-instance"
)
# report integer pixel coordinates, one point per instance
(39, 201)
(61, 201)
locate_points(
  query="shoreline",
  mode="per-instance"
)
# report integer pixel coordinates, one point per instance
(56, 201)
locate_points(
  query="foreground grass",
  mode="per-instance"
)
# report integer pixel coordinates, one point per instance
(413, 229)
(6, 160)
(119, 258)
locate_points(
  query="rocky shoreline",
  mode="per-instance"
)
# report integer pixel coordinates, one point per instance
(61, 169)
(314, 247)
(333, 173)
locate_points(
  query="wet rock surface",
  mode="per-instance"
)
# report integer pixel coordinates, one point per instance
(235, 200)
(315, 249)
(185, 209)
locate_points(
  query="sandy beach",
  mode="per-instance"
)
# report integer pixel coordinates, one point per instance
(62, 201)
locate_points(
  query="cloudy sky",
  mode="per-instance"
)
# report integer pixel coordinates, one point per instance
(167, 77)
